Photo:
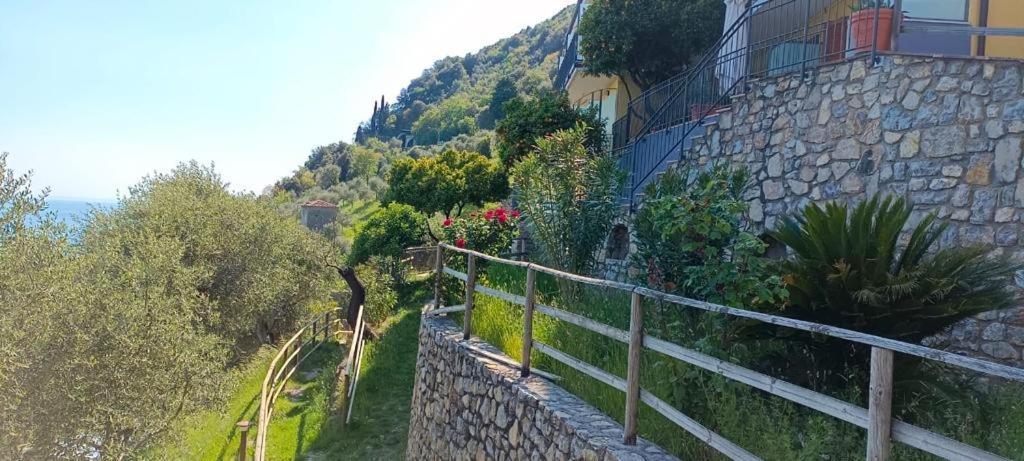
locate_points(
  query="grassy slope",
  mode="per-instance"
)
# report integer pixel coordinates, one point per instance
(380, 419)
(212, 435)
(310, 427)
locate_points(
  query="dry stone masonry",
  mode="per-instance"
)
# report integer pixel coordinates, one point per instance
(944, 132)
(468, 407)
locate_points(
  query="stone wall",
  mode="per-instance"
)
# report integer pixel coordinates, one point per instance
(946, 133)
(466, 406)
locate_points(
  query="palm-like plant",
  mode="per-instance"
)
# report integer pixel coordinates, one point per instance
(870, 270)
(850, 271)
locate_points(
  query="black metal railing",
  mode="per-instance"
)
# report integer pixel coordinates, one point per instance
(770, 38)
(570, 59)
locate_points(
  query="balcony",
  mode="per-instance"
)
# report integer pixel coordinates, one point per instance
(569, 62)
(770, 38)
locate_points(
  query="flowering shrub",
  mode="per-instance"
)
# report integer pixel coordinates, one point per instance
(489, 232)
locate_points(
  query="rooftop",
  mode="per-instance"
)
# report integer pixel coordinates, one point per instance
(319, 204)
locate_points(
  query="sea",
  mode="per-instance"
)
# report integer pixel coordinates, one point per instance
(74, 211)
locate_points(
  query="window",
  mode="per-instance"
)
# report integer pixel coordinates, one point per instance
(946, 10)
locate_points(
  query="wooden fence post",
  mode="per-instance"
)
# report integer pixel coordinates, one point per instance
(467, 319)
(438, 270)
(880, 405)
(243, 427)
(531, 299)
(636, 340)
(327, 326)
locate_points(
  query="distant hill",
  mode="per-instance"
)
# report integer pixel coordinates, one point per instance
(454, 96)
(454, 104)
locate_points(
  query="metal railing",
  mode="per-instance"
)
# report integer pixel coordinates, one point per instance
(770, 38)
(877, 419)
(569, 61)
(593, 100)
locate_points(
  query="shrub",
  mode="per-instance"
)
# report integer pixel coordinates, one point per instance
(490, 232)
(851, 270)
(378, 278)
(387, 233)
(691, 239)
(328, 176)
(568, 196)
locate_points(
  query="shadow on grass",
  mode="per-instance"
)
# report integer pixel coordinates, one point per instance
(380, 417)
(229, 441)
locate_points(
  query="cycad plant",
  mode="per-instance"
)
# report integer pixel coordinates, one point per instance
(871, 270)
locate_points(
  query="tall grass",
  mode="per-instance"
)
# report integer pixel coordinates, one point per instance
(768, 426)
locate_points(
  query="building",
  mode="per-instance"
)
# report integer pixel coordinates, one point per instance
(317, 213)
(819, 104)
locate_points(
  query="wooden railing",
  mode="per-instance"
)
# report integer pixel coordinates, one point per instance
(288, 359)
(877, 419)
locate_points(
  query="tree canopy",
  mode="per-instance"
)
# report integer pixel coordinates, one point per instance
(527, 120)
(649, 40)
(107, 339)
(447, 182)
(387, 233)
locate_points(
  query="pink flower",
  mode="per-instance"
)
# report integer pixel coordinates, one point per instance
(489, 215)
(447, 222)
(461, 243)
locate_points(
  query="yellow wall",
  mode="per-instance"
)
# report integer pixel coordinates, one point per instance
(1007, 14)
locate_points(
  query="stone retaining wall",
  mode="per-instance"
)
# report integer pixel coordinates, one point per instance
(945, 132)
(465, 406)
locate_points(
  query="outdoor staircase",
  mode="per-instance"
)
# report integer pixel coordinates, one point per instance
(661, 151)
(674, 115)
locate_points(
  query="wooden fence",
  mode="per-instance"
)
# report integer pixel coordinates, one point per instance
(877, 419)
(288, 360)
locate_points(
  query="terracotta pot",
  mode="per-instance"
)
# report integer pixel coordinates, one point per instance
(862, 23)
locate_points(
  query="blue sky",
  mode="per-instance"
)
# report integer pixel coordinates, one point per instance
(94, 95)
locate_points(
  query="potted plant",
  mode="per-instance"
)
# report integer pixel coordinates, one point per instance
(862, 23)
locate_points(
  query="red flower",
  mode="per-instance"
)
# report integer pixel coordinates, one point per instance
(489, 215)
(515, 213)
(447, 222)
(502, 218)
(461, 243)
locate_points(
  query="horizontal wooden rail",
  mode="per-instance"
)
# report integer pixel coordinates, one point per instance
(693, 427)
(962, 361)
(281, 370)
(903, 432)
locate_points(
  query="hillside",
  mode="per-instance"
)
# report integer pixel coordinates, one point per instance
(457, 95)
(454, 104)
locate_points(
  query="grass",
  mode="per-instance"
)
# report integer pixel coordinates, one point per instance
(213, 436)
(768, 426)
(380, 419)
(358, 212)
(308, 423)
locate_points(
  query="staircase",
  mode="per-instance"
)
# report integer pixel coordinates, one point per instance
(672, 116)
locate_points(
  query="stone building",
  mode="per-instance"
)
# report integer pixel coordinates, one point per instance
(317, 213)
(820, 105)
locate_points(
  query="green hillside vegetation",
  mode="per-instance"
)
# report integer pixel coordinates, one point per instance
(453, 106)
(112, 333)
